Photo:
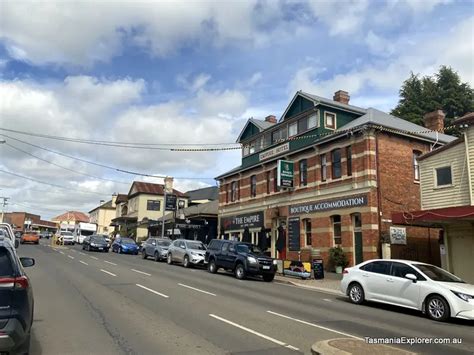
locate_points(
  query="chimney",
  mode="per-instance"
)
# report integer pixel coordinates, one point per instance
(114, 198)
(342, 97)
(434, 120)
(271, 119)
(169, 184)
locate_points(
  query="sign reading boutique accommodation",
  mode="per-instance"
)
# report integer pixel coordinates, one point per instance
(251, 220)
(327, 205)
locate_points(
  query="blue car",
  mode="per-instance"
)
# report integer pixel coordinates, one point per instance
(125, 246)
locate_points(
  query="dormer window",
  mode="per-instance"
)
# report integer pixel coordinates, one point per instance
(330, 120)
(313, 121)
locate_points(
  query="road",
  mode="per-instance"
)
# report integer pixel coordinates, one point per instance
(105, 303)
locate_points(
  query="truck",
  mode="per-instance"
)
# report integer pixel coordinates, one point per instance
(83, 230)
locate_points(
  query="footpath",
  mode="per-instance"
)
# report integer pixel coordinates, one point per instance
(340, 346)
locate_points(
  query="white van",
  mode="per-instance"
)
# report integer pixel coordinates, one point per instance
(83, 230)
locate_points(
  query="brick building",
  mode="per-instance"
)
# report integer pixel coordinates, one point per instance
(23, 221)
(353, 167)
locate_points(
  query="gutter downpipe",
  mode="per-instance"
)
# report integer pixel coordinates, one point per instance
(379, 197)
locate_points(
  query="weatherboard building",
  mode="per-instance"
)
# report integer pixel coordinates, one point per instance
(352, 168)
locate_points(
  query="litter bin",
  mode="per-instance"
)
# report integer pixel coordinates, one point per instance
(318, 269)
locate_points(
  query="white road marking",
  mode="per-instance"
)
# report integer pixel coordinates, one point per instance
(281, 343)
(327, 300)
(93, 257)
(70, 257)
(109, 262)
(152, 291)
(61, 252)
(196, 289)
(314, 325)
(141, 272)
(73, 251)
(82, 262)
(82, 253)
(107, 272)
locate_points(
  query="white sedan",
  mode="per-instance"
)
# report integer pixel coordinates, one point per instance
(410, 284)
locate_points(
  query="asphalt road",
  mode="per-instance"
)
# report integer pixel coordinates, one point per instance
(105, 303)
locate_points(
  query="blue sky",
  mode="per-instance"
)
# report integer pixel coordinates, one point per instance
(193, 72)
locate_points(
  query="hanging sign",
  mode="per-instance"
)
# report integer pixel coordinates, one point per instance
(285, 173)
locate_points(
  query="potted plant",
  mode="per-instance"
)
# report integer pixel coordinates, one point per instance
(338, 259)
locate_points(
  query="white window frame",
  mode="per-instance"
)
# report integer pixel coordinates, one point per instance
(416, 165)
(325, 120)
(316, 116)
(293, 125)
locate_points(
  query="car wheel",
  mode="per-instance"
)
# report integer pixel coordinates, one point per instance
(169, 259)
(212, 267)
(186, 263)
(437, 308)
(356, 293)
(83, 247)
(268, 278)
(240, 272)
(144, 254)
(156, 256)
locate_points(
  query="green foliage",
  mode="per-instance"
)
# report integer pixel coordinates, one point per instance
(337, 257)
(443, 91)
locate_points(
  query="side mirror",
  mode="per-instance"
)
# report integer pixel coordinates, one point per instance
(17, 243)
(411, 277)
(27, 262)
(183, 247)
(153, 244)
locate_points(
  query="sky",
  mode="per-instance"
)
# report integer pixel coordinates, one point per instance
(191, 72)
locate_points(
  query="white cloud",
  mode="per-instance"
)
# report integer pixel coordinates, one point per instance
(195, 84)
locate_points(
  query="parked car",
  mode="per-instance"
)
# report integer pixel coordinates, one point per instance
(66, 237)
(242, 259)
(156, 247)
(30, 237)
(16, 298)
(187, 252)
(95, 242)
(45, 235)
(125, 245)
(410, 284)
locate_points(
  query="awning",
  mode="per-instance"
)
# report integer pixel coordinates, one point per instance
(435, 217)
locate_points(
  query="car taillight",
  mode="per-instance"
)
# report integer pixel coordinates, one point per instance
(7, 282)
(345, 271)
(21, 282)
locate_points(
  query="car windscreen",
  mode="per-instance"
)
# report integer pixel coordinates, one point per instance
(97, 239)
(68, 234)
(127, 241)
(437, 274)
(196, 245)
(248, 248)
(163, 243)
(6, 267)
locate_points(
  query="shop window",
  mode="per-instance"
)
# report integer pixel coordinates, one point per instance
(293, 129)
(324, 168)
(349, 160)
(303, 172)
(253, 186)
(233, 191)
(307, 231)
(269, 176)
(336, 229)
(444, 176)
(330, 120)
(336, 163)
(416, 166)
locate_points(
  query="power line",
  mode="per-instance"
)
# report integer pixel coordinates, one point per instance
(54, 185)
(102, 165)
(64, 168)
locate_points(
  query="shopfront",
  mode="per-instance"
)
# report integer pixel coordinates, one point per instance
(244, 227)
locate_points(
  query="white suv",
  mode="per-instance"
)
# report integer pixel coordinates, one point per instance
(410, 284)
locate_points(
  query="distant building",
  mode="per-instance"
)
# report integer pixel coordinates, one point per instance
(206, 194)
(23, 221)
(69, 220)
(102, 216)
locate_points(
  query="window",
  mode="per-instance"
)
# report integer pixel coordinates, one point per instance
(379, 267)
(330, 120)
(246, 150)
(226, 193)
(275, 180)
(443, 176)
(307, 230)
(279, 135)
(303, 172)
(336, 163)
(313, 121)
(152, 205)
(253, 185)
(233, 191)
(400, 270)
(252, 147)
(416, 166)
(269, 176)
(6, 267)
(303, 125)
(324, 173)
(293, 129)
(349, 160)
(336, 229)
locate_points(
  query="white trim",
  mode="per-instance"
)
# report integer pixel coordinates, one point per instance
(436, 186)
(335, 120)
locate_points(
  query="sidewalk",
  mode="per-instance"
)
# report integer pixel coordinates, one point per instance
(331, 282)
(350, 346)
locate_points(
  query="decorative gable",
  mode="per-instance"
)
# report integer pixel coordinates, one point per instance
(298, 104)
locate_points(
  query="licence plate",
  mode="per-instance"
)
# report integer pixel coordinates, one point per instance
(101, 248)
(266, 267)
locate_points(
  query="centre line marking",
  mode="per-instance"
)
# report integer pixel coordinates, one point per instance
(314, 325)
(141, 272)
(255, 332)
(70, 257)
(196, 289)
(82, 253)
(327, 300)
(152, 291)
(61, 252)
(82, 262)
(93, 257)
(109, 262)
(107, 272)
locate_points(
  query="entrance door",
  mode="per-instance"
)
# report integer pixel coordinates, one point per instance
(358, 244)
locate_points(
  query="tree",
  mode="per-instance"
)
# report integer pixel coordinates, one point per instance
(444, 91)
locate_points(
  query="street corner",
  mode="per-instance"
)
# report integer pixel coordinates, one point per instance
(353, 346)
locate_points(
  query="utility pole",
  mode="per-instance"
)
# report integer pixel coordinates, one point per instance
(4, 205)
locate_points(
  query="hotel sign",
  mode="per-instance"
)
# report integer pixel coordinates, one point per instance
(327, 205)
(274, 151)
(285, 173)
(251, 220)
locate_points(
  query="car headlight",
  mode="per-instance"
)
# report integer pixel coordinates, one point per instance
(93, 245)
(463, 296)
(251, 260)
(274, 262)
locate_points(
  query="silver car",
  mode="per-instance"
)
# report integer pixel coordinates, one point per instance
(155, 247)
(186, 252)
